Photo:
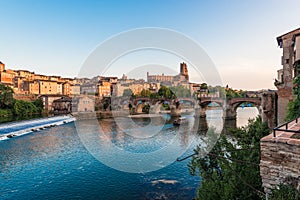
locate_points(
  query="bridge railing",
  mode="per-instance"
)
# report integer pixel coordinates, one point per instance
(286, 127)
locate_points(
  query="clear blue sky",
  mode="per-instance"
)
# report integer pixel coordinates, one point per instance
(55, 37)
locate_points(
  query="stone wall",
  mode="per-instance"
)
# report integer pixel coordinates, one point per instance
(280, 161)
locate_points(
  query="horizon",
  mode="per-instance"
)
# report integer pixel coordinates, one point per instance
(55, 38)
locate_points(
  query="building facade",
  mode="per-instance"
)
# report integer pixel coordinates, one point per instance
(290, 44)
(182, 77)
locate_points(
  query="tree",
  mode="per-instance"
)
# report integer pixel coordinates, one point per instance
(6, 97)
(203, 86)
(145, 93)
(39, 104)
(127, 92)
(231, 169)
(24, 108)
(285, 192)
(165, 92)
(181, 91)
(294, 106)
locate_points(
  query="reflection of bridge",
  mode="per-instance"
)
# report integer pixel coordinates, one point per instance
(265, 102)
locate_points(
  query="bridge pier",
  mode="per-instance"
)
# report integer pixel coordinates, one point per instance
(229, 113)
(175, 112)
(268, 108)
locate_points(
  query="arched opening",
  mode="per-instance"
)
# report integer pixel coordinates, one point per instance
(245, 111)
(213, 113)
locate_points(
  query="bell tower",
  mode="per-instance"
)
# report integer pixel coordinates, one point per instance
(184, 71)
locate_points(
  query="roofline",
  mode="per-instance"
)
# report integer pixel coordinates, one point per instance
(279, 38)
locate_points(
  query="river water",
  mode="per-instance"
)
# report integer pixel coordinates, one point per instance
(133, 159)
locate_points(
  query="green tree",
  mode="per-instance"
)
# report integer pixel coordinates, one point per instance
(127, 92)
(231, 169)
(24, 108)
(203, 86)
(6, 97)
(145, 93)
(294, 106)
(180, 91)
(285, 192)
(39, 104)
(165, 92)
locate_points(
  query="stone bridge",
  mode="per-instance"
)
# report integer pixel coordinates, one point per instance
(265, 103)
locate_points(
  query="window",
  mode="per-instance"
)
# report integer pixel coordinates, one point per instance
(287, 61)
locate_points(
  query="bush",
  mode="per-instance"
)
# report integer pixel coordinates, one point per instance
(285, 192)
(23, 108)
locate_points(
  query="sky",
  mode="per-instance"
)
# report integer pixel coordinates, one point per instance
(56, 37)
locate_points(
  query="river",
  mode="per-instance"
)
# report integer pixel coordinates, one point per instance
(76, 161)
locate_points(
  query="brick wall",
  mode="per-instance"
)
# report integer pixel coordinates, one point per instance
(280, 161)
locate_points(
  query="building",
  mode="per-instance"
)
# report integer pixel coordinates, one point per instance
(290, 60)
(26, 74)
(7, 77)
(182, 77)
(30, 87)
(49, 87)
(104, 89)
(48, 99)
(62, 105)
(83, 104)
(280, 156)
(2, 66)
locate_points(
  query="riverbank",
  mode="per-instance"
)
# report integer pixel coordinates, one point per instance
(15, 129)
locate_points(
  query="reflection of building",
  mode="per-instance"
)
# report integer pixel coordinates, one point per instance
(83, 104)
(290, 60)
(182, 77)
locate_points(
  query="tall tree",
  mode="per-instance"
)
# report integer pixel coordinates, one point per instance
(231, 169)
(6, 97)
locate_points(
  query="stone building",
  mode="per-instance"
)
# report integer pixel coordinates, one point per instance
(104, 89)
(182, 77)
(7, 77)
(2, 66)
(83, 104)
(290, 60)
(62, 105)
(48, 100)
(280, 156)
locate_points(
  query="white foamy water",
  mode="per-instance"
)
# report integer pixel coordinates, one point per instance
(15, 129)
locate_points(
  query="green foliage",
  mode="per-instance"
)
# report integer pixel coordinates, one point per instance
(39, 104)
(6, 112)
(145, 93)
(146, 108)
(231, 169)
(180, 91)
(166, 92)
(203, 86)
(230, 93)
(23, 108)
(6, 97)
(294, 106)
(285, 192)
(127, 93)
(154, 96)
